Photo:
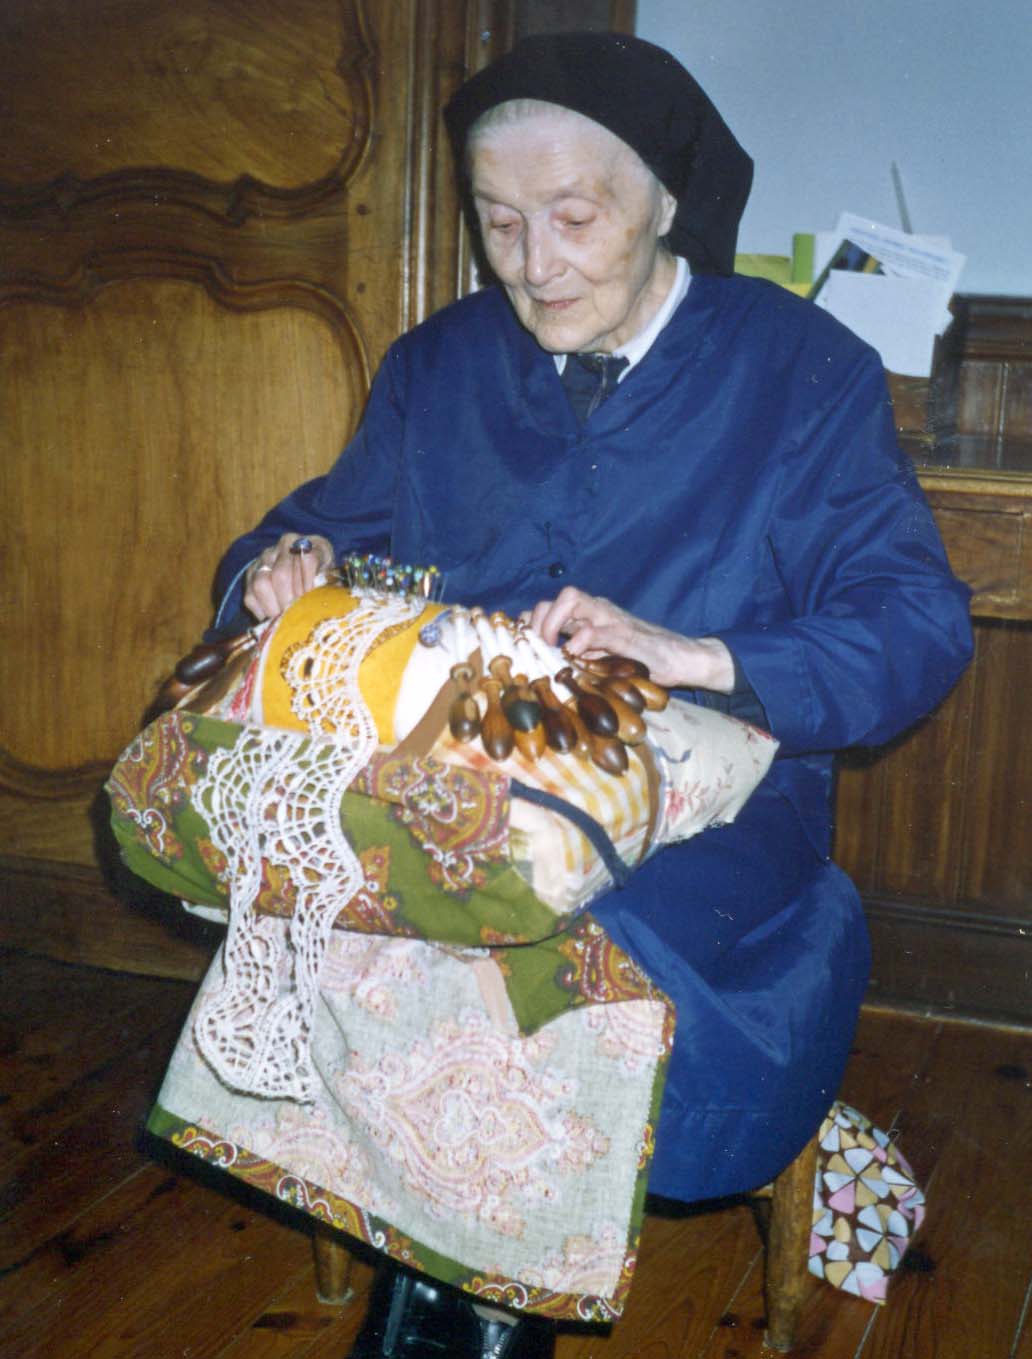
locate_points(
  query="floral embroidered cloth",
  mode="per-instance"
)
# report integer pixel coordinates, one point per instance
(511, 1165)
(485, 1076)
(479, 1107)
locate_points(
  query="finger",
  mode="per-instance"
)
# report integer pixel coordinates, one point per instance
(551, 622)
(324, 553)
(311, 566)
(259, 596)
(297, 576)
(284, 582)
(292, 548)
(587, 639)
(310, 556)
(551, 618)
(538, 615)
(275, 580)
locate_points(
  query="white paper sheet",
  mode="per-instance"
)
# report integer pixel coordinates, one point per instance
(898, 316)
(902, 309)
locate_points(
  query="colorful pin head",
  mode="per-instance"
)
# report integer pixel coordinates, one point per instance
(368, 571)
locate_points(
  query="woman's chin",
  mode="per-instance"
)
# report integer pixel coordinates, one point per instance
(559, 333)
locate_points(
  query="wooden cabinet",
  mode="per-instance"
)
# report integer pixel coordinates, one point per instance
(937, 828)
(986, 524)
(214, 218)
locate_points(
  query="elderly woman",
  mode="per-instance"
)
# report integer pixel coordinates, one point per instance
(647, 456)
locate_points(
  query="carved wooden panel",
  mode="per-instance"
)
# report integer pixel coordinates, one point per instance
(981, 408)
(992, 355)
(902, 809)
(214, 218)
(996, 845)
(359, 103)
(271, 90)
(560, 16)
(935, 828)
(992, 550)
(170, 423)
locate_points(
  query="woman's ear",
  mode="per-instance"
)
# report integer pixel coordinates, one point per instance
(668, 210)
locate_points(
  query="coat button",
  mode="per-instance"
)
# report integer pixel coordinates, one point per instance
(557, 569)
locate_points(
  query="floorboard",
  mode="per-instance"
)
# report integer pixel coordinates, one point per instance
(1023, 1336)
(295, 1325)
(688, 1268)
(112, 1248)
(969, 1122)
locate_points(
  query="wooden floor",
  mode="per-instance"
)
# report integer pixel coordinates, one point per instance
(108, 1250)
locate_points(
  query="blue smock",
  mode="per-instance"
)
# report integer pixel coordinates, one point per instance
(744, 481)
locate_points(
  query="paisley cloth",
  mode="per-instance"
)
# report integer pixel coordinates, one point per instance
(480, 1109)
(486, 1076)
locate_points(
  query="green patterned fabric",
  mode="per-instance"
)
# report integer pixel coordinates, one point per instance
(488, 1074)
(409, 892)
(449, 995)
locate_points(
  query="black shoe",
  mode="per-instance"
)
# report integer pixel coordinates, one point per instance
(526, 1338)
(413, 1317)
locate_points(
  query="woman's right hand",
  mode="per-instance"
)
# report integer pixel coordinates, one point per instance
(279, 575)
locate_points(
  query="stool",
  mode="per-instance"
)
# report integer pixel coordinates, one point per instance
(786, 1267)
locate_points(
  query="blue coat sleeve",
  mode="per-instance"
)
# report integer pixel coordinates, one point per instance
(879, 629)
(352, 505)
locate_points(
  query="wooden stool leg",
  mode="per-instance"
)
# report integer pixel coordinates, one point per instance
(788, 1246)
(333, 1263)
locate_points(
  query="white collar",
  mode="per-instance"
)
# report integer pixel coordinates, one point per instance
(636, 348)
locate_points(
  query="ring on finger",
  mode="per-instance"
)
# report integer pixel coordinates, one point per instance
(301, 546)
(263, 567)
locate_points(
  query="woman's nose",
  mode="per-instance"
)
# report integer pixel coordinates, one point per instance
(542, 261)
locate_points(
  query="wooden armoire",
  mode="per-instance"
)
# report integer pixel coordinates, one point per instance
(215, 216)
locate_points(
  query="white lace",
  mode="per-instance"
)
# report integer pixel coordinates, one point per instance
(274, 799)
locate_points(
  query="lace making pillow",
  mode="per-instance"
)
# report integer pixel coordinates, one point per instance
(371, 760)
(574, 824)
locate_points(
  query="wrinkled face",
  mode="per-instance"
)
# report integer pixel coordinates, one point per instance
(571, 221)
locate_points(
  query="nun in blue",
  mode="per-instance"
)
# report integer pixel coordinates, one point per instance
(718, 492)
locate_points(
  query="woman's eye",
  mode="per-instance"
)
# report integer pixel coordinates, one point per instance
(576, 222)
(504, 227)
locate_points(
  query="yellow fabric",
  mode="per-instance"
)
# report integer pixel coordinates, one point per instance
(563, 853)
(620, 805)
(378, 678)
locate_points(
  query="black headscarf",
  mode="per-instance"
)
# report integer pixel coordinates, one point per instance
(647, 99)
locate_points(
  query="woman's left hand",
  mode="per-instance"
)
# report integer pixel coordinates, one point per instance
(593, 626)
